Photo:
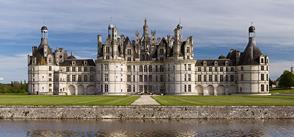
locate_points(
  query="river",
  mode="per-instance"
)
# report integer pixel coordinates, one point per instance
(147, 128)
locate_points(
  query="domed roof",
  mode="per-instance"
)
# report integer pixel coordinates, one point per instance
(221, 57)
(251, 54)
(251, 29)
(44, 27)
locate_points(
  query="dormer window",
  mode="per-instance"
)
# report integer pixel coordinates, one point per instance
(226, 63)
(261, 60)
(215, 63)
(85, 63)
(73, 63)
(204, 63)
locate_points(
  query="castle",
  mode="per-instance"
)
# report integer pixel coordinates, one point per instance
(147, 65)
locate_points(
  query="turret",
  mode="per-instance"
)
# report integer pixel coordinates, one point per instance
(177, 36)
(44, 40)
(112, 34)
(99, 42)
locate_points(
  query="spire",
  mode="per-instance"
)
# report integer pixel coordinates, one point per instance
(251, 54)
(145, 28)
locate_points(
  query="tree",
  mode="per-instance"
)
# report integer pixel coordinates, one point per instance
(286, 80)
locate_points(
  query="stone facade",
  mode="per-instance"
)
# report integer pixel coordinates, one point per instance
(147, 64)
(146, 112)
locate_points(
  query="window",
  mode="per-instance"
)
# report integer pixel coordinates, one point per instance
(232, 69)
(262, 68)
(150, 78)
(210, 69)
(161, 52)
(161, 78)
(140, 68)
(215, 78)
(145, 68)
(161, 68)
(145, 78)
(134, 89)
(185, 88)
(242, 77)
(129, 59)
(129, 52)
(221, 69)
(73, 69)
(262, 60)
(67, 69)
(129, 78)
(73, 78)
(85, 78)
(50, 68)
(79, 78)
(156, 68)
(199, 69)
(150, 68)
(215, 69)
(266, 77)
(204, 78)
(85, 69)
(227, 78)
(210, 78)
(105, 66)
(189, 67)
(185, 66)
(199, 78)
(107, 49)
(232, 78)
(105, 88)
(129, 88)
(129, 68)
(262, 77)
(140, 78)
(79, 69)
(189, 88)
(68, 78)
(134, 78)
(262, 87)
(189, 77)
(242, 68)
(221, 78)
(105, 77)
(188, 49)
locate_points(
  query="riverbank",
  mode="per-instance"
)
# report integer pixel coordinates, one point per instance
(146, 112)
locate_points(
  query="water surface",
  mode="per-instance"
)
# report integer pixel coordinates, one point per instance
(146, 128)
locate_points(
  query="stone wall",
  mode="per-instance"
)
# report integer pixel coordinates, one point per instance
(141, 112)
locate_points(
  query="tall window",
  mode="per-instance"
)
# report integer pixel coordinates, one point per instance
(189, 77)
(140, 78)
(215, 78)
(105, 77)
(221, 78)
(129, 52)
(262, 77)
(105, 88)
(85, 78)
(129, 78)
(210, 78)
(189, 67)
(145, 68)
(189, 88)
(199, 78)
(262, 87)
(129, 68)
(188, 49)
(204, 78)
(150, 68)
(140, 68)
(67, 69)
(73, 69)
(232, 78)
(68, 78)
(73, 78)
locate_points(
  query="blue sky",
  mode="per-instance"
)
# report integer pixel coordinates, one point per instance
(216, 26)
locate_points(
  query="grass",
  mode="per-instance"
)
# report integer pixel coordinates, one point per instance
(67, 100)
(282, 91)
(238, 100)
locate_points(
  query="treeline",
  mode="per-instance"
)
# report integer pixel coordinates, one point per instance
(286, 80)
(15, 87)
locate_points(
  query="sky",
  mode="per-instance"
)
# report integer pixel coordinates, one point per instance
(216, 26)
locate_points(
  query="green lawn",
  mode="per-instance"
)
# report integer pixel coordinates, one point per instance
(282, 91)
(67, 100)
(239, 100)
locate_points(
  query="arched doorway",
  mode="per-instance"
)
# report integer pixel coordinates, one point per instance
(210, 90)
(80, 90)
(91, 90)
(199, 89)
(220, 90)
(72, 90)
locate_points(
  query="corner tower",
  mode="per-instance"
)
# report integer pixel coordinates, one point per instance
(253, 75)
